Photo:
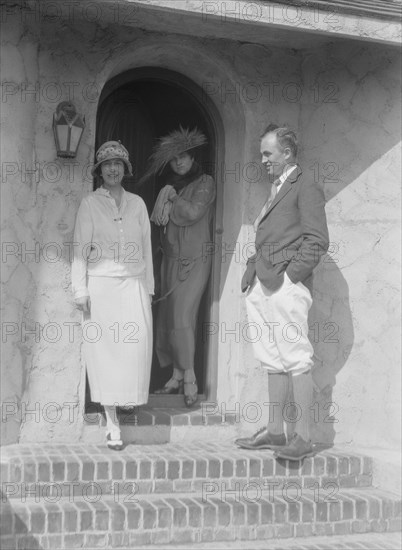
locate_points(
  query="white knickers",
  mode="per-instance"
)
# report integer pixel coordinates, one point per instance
(281, 317)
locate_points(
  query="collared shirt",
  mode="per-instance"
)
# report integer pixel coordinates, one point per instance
(285, 174)
(111, 241)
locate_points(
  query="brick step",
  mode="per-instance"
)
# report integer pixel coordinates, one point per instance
(160, 434)
(163, 519)
(80, 470)
(167, 413)
(363, 541)
(168, 423)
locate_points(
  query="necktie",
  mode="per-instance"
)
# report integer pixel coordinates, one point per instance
(267, 205)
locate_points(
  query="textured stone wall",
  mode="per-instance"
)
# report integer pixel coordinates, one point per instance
(352, 144)
(342, 101)
(349, 131)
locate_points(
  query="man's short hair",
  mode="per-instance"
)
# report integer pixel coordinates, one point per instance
(286, 138)
(269, 129)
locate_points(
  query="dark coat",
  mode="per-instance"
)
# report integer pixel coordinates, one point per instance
(291, 237)
(185, 272)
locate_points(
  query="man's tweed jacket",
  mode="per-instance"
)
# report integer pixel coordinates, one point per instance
(291, 237)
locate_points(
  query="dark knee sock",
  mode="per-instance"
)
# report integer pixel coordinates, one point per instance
(278, 386)
(303, 396)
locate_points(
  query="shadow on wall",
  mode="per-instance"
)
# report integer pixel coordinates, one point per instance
(350, 147)
(332, 336)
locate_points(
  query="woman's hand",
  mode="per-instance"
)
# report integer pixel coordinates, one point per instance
(83, 304)
(163, 216)
(172, 194)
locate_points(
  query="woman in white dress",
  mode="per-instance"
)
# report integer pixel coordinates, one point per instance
(113, 284)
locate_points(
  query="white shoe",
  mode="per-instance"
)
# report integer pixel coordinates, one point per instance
(113, 441)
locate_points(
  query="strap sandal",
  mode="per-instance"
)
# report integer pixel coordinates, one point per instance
(190, 394)
(172, 386)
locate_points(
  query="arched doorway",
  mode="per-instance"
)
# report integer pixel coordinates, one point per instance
(137, 107)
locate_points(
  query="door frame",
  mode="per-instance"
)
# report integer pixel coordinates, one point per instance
(216, 129)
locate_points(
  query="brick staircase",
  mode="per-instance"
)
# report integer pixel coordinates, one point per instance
(197, 490)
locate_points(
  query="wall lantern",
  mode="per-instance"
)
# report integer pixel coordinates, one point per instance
(68, 127)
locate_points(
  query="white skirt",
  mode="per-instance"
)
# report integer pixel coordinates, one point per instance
(117, 336)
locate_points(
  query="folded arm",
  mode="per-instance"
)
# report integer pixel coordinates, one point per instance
(188, 211)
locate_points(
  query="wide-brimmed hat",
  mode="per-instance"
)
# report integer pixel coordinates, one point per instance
(170, 146)
(111, 150)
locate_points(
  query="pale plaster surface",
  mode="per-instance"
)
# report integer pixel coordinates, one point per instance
(357, 285)
(356, 141)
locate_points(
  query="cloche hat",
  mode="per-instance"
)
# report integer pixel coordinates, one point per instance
(112, 150)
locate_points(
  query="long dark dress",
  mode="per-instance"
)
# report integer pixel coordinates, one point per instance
(186, 266)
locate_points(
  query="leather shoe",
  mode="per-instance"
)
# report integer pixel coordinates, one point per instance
(262, 440)
(297, 449)
(114, 442)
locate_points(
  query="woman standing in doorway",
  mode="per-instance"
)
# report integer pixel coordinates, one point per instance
(113, 284)
(184, 210)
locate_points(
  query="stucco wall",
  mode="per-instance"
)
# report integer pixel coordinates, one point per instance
(349, 134)
(352, 145)
(251, 86)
